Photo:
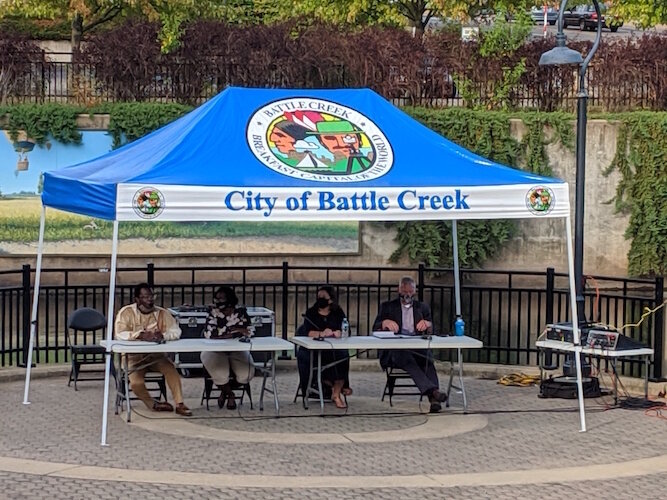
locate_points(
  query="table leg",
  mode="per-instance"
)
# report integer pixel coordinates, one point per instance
(645, 377)
(319, 380)
(306, 393)
(463, 389)
(126, 374)
(273, 381)
(613, 370)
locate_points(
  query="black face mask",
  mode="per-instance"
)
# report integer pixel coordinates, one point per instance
(322, 303)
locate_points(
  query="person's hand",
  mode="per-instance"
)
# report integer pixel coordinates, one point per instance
(327, 332)
(151, 335)
(390, 325)
(423, 325)
(336, 333)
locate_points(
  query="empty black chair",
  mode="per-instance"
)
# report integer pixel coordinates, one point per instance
(85, 348)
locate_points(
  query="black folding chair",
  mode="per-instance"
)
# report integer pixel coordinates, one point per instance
(83, 344)
(210, 388)
(401, 380)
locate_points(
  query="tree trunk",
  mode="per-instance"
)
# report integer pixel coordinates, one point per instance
(77, 31)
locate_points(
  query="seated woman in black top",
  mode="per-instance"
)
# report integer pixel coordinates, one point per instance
(324, 320)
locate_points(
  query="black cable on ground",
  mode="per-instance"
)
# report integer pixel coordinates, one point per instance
(634, 403)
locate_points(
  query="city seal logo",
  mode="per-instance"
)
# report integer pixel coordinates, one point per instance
(148, 203)
(318, 140)
(540, 200)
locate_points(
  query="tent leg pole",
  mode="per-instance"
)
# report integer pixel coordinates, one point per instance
(575, 324)
(110, 309)
(457, 280)
(35, 303)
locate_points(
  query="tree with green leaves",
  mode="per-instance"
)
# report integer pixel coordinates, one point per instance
(644, 13)
(86, 15)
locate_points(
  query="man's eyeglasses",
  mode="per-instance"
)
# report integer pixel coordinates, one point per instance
(405, 297)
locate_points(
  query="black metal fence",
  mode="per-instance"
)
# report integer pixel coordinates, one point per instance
(38, 79)
(506, 310)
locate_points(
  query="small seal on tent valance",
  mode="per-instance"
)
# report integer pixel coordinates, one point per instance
(540, 200)
(318, 140)
(148, 203)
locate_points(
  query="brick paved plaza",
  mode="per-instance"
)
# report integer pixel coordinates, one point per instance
(511, 444)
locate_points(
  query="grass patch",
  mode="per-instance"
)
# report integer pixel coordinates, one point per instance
(19, 222)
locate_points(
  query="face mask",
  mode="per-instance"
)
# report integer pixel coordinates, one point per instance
(406, 299)
(222, 305)
(322, 302)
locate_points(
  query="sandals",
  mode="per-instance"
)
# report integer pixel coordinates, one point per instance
(338, 401)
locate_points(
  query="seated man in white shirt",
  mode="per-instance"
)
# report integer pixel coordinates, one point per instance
(143, 320)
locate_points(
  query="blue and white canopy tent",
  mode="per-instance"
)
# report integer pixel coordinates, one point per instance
(297, 155)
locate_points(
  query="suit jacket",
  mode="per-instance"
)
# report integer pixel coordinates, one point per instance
(392, 310)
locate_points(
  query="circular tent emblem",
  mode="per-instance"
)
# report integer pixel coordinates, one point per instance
(540, 200)
(148, 203)
(318, 140)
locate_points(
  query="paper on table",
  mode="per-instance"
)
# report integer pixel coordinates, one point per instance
(391, 335)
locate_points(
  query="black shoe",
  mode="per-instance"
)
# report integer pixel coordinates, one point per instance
(435, 407)
(438, 396)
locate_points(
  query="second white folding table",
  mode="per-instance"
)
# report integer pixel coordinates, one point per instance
(364, 343)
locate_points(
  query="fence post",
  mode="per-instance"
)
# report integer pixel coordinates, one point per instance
(150, 274)
(285, 293)
(420, 282)
(549, 318)
(25, 323)
(551, 278)
(659, 329)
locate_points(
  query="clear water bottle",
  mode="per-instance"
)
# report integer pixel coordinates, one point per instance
(459, 327)
(345, 329)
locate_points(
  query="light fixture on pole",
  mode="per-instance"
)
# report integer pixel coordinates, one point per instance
(23, 148)
(562, 55)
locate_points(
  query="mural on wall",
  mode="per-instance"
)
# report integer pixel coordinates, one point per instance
(22, 163)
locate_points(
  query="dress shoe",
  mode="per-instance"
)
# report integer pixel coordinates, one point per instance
(438, 396)
(162, 406)
(183, 410)
(435, 407)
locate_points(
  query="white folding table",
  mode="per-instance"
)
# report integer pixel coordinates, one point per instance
(256, 344)
(613, 355)
(364, 343)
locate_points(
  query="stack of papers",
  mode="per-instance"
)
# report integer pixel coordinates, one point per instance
(392, 335)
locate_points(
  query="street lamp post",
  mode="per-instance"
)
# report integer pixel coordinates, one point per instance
(562, 55)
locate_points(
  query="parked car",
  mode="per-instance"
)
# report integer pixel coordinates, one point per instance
(585, 17)
(537, 14)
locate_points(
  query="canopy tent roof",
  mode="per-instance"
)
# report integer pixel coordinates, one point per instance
(276, 154)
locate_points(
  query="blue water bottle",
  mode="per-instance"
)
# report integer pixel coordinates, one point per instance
(459, 327)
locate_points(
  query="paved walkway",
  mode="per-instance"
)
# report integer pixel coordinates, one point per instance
(511, 444)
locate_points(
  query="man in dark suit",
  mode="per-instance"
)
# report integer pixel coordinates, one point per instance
(406, 315)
